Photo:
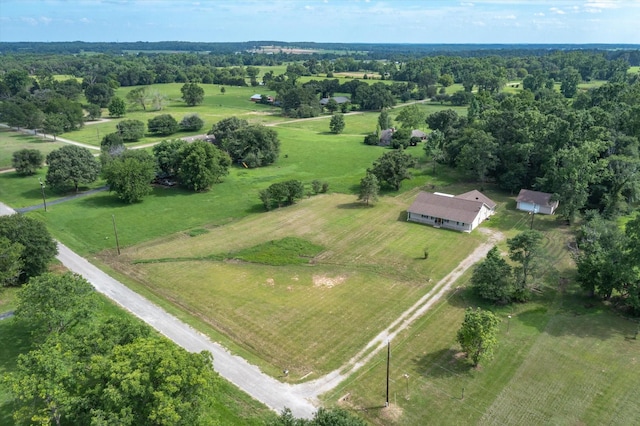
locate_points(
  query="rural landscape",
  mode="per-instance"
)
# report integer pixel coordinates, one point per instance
(274, 233)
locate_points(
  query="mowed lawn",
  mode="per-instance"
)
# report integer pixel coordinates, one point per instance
(11, 142)
(561, 358)
(309, 318)
(215, 106)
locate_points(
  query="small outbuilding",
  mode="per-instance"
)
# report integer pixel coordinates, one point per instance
(339, 100)
(462, 212)
(536, 202)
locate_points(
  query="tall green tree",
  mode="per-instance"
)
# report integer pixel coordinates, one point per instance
(130, 130)
(117, 107)
(201, 165)
(337, 123)
(139, 97)
(393, 167)
(478, 156)
(192, 94)
(130, 174)
(168, 155)
(27, 161)
(53, 124)
(38, 246)
(72, 166)
(10, 262)
(41, 385)
(524, 249)
(384, 120)
(478, 334)
(569, 80)
(254, 145)
(191, 123)
(492, 278)
(369, 188)
(411, 117)
(52, 303)
(163, 124)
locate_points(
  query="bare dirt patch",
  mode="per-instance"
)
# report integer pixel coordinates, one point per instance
(326, 281)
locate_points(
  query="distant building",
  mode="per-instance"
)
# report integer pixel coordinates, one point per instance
(258, 98)
(462, 212)
(536, 202)
(339, 100)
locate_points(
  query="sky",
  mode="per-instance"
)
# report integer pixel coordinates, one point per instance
(346, 21)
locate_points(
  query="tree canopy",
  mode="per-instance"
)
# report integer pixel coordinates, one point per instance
(27, 161)
(201, 165)
(478, 334)
(129, 175)
(71, 166)
(192, 94)
(38, 248)
(393, 167)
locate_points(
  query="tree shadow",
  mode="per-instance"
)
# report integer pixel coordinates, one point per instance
(443, 363)
(354, 205)
(19, 337)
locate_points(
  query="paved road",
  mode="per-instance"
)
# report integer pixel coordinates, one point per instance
(6, 315)
(61, 200)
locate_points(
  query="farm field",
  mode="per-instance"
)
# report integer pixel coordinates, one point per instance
(302, 317)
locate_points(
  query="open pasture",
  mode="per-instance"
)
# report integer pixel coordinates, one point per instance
(215, 107)
(11, 142)
(310, 317)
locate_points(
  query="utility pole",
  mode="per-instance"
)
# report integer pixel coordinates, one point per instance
(115, 230)
(533, 213)
(388, 362)
(44, 200)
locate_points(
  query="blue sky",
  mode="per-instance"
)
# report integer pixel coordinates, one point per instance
(390, 21)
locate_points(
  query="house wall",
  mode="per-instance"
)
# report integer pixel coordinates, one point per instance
(528, 207)
(445, 223)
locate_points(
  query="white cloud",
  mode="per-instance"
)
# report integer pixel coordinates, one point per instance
(538, 14)
(557, 11)
(466, 4)
(29, 21)
(85, 20)
(45, 20)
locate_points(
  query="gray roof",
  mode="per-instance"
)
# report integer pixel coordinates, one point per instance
(418, 134)
(385, 136)
(338, 99)
(536, 197)
(452, 208)
(476, 195)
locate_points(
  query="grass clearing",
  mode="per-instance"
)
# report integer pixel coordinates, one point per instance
(305, 317)
(561, 359)
(11, 142)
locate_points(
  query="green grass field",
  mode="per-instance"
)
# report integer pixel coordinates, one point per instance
(11, 142)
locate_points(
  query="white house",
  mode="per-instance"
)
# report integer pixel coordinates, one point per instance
(536, 202)
(462, 212)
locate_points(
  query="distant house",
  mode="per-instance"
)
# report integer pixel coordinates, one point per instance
(339, 100)
(258, 98)
(462, 212)
(536, 202)
(387, 134)
(418, 134)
